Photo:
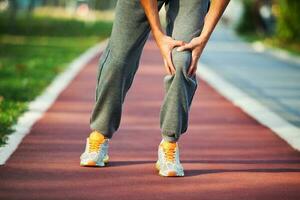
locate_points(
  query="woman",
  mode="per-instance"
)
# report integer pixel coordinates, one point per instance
(189, 26)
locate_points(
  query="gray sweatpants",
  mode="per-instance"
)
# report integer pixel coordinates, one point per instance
(119, 62)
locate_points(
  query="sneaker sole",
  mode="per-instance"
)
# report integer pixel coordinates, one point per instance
(169, 174)
(95, 164)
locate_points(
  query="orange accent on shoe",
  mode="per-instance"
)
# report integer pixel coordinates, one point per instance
(95, 141)
(172, 174)
(169, 150)
(91, 163)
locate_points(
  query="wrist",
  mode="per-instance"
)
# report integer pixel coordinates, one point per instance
(204, 37)
(158, 35)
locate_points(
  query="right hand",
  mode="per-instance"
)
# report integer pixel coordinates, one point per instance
(166, 44)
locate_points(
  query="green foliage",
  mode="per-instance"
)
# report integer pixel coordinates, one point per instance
(9, 112)
(44, 26)
(29, 60)
(288, 27)
(287, 18)
(246, 23)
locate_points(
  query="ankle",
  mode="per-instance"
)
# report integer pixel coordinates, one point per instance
(97, 135)
(167, 141)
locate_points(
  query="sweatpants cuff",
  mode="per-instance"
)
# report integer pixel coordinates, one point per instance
(108, 136)
(169, 138)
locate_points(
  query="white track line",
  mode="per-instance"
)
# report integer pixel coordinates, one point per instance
(40, 105)
(281, 127)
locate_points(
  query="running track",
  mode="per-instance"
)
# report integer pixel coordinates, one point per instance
(226, 154)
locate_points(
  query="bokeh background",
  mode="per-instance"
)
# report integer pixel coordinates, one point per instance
(38, 38)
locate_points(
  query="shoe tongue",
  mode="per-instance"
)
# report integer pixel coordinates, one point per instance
(96, 136)
(169, 145)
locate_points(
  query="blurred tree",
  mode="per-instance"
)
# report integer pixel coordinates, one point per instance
(55, 2)
(13, 7)
(288, 27)
(31, 5)
(257, 17)
(95, 4)
(105, 4)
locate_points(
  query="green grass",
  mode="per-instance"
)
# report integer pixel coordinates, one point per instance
(32, 53)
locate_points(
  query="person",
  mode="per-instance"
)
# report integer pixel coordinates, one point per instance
(190, 24)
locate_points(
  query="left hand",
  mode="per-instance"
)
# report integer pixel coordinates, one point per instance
(196, 45)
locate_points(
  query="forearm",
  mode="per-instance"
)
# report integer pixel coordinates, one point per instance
(151, 11)
(216, 10)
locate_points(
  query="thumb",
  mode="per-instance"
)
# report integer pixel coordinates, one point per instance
(178, 43)
(184, 47)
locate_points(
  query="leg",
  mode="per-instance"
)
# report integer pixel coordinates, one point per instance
(185, 20)
(118, 65)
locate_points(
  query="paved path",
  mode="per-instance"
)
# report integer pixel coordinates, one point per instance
(226, 155)
(273, 82)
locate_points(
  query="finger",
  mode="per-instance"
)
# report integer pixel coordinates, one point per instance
(178, 43)
(172, 69)
(194, 63)
(167, 67)
(195, 70)
(170, 64)
(185, 47)
(192, 67)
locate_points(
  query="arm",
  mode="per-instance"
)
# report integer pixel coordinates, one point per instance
(164, 42)
(197, 44)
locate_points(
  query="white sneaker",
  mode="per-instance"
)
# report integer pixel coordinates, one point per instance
(168, 163)
(96, 151)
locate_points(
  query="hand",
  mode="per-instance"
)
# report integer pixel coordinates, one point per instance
(196, 45)
(166, 44)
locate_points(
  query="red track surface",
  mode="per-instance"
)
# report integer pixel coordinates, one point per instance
(226, 154)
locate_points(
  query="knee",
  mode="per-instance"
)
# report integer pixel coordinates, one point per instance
(181, 61)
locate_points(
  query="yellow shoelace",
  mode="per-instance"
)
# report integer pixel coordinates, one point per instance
(95, 141)
(169, 150)
(94, 145)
